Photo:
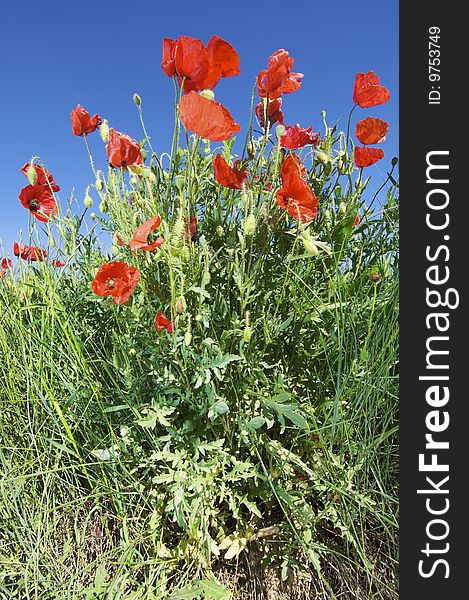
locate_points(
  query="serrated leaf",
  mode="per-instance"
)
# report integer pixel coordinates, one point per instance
(199, 290)
(148, 422)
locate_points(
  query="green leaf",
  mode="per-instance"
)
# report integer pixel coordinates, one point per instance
(256, 423)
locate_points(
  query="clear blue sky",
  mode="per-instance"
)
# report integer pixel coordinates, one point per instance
(55, 54)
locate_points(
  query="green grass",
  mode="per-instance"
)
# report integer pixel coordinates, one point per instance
(134, 462)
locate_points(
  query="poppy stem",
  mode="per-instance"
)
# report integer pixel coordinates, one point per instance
(89, 154)
(348, 127)
(249, 130)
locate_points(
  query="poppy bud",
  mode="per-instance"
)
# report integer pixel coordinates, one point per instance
(205, 278)
(394, 161)
(185, 253)
(327, 215)
(250, 226)
(132, 351)
(208, 94)
(103, 207)
(143, 152)
(309, 245)
(99, 184)
(251, 149)
(247, 333)
(178, 231)
(104, 131)
(88, 201)
(220, 231)
(31, 174)
(179, 181)
(181, 305)
(188, 338)
(279, 131)
(137, 100)
(322, 157)
(342, 208)
(194, 187)
(93, 216)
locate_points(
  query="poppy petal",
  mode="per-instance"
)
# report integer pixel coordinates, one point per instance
(226, 175)
(371, 130)
(367, 90)
(207, 118)
(364, 157)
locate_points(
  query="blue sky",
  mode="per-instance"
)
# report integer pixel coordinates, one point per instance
(54, 55)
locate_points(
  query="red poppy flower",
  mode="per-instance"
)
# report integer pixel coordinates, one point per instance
(356, 221)
(367, 90)
(364, 157)
(189, 232)
(57, 263)
(200, 66)
(372, 131)
(207, 118)
(43, 176)
(274, 112)
(292, 166)
(139, 240)
(297, 137)
(39, 201)
(82, 122)
(116, 279)
(278, 79)
(298, 198)
(28, 252)
(295, 195)
(122, 150)
(230, 177)
(162, 322)
(6, 263)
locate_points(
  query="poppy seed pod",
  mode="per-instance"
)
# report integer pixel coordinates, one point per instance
(181, 305)
(137, 100)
